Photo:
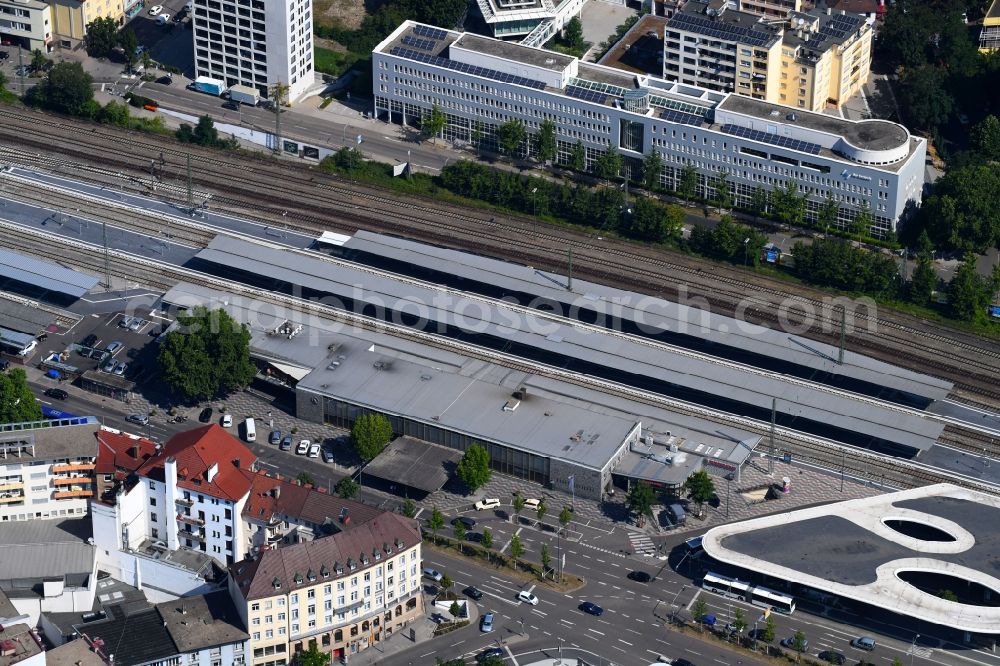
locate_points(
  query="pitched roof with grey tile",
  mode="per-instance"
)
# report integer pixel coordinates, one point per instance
(133, 638)
(290, 568)
(204, 621)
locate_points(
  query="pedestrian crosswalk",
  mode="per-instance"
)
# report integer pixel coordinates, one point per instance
(642, 544)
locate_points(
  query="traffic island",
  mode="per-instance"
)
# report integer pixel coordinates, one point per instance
(525, 570)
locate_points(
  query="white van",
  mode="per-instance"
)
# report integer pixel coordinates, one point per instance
(251, 430)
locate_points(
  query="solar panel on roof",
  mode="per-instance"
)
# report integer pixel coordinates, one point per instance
(681, 117)
(773, 139)
(425, 44)
(428, 31)
(586, 95)
(410, 54)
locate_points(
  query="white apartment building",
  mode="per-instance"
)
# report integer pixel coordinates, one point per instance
(480, 83)
(255, 43)
(344, 593)
(26, 22)
(47, 468)
(190, 493)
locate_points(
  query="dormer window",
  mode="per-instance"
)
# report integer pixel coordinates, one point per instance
(399, 542)
(276, 584)
(387, 548)
(298, 578)
(376, 554)
(351, 564)
(338, 569)
(311, 575)
(364, 560)
(324, 571)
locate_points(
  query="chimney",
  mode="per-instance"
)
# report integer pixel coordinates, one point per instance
(212, 471)
(170, 472)
(277, 491)
(843, 12)
(135, 449)
(829, 11)
(236, 463)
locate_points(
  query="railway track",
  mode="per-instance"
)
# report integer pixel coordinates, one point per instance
(303, 200)
(856, 462)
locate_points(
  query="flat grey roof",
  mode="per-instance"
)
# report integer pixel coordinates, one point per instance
(994, 10)
(44, 274)
(847, 549)
(868, 134)
(415, 463)
(31, 550)
(203, 621)
(324, 341)
(107, 379)
(23, 319)
(657, 313)
(556, 62)
(563, 338)
(51, 442)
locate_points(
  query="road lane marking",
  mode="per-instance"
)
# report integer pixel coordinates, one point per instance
(625, 642)
(595, 631)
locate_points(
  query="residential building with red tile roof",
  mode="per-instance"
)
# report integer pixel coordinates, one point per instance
(119, 455)
(346, 592)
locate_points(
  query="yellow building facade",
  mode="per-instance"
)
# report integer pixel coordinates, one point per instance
(70, 17)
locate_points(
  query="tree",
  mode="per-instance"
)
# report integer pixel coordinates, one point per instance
(578, 157)
(474, 468)
(67, 89)
(433, 122)
(129, 43)
(409, 508)
(687, 186)
(948, 595)
(114, 113)
(455, 610)
(986, 138)
(723, 197)
(17, 402)
(759, 201)
(608, 165)
(653, 221)
(768, 634)
(304, 478)
(640, 498)
(38, 60)
(924, 279)
(545, 141)
(348, 158)
(546, 558)
(370, 433)
(963, 211)
(207, 355)
(487, 540)
(799, 644)
(923, 92)
(458, 529)
(510, 136)
(102, 37)
(699, 611)
(789, 207)
(970, 293)
(477, 137)
(862, 223)
(146, 60)
(573, 34)
(205, 133)
(347, 487)
(700, 487)
(565, 516)
(446, 582)
(652, 169)
(312, 657)
(828, 212)
(518, 505)
(739, 620)
(516, 549)
(896, 662)
(541, 510)
(435, 522)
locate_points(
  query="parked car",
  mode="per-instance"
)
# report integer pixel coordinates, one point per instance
(120, 369)
(165, 80)
(4, 55)
(433, 574)
(864, 643)
(314, 450)
(155, 10)
(124, 322)
(327, 456)
(472, 593)
(97, 354)
(790, 643)
(466, 522)
(489, 653)
(527, 597)
(274, 437)
(531, 504)
(114, 346)
(639, 576)
(56, 393)
(286, 443)
(682, 662)
(109, 365)
(227, 420)
(136, 325)
(302, 448)
(141, 419)
(206, 415)
(163, 19)
(832, 657)
(591, 608)
(488, 503)
(89, 341)
(486, 622)
(4, 365)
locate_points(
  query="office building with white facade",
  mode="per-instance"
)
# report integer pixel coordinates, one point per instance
(255, 43)
(480, 83)
(47, 468)
(534, 22)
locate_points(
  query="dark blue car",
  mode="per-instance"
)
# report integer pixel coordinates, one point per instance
(591, 608)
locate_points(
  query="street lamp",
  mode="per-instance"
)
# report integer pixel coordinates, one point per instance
(913, 647)
(673, 613)
(746, 248)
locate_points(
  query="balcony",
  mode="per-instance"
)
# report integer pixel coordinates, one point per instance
(190, 520)
(275, 537)
(186, 501)
(69, 480)
(73, 467)
(11, 498)
(68, 494)
(11, 485)
(198, 536)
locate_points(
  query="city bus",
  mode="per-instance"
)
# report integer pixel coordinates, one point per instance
(754, 594)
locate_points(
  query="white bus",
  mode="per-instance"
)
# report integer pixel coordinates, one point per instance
(754, 594)
(251, 430)
(724, 585)
(776, 601)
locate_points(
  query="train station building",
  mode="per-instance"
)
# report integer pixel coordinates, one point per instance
(896, 552)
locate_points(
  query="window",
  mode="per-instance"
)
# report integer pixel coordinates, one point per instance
(152, 501)
(152, 517)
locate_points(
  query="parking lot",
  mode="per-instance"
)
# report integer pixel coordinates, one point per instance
(170, 43)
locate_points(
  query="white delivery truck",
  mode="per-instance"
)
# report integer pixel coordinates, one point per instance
(244, 95)
(251, 430)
